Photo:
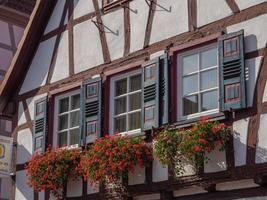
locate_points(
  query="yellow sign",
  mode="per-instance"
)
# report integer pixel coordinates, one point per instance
(6, 146)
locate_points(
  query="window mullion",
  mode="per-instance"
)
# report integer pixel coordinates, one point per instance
(68, 132)
(127, 103)
(199, 94)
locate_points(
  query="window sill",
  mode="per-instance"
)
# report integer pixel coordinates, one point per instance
(189, 122)
(115, 4)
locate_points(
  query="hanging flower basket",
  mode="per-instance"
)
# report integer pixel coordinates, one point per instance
(52, 169)
(109, 158)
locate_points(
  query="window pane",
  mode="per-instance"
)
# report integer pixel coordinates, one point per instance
(190, 64)
(120, 124)
(121, 87)
(74, 136)
(135, 83)
(63, 122)
(74, 118)
(190, 84)
(62, 139)
(63, 105)
(208, 58)
(209, 100)
(190, 105)
(75, 102)
(120, 105)
(208, 79)
(134, 121)
(135, 101)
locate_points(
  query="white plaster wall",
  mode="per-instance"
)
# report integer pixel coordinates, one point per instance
(240, 133)
(252, 69)
(115, 36)
(147, 197)
(61, 69)
(261, 148)
(138, 24)
(5, 187)
(82, 7)
(30, 103)
(74, 187)
(24, 148)
(243, 4)
(23, 191)
(21, 114)
(216, 162)
(87, 46)
(169, 23)
(41, 195)
(254, 31)
(92, 188)
(138, 177)
(55, 18)
(5, 58)
(4, 35)
(159, 172)
(236, 185)
(37, 73)
(264, 98)
(189, 191)
(18, 32)
(209, 11)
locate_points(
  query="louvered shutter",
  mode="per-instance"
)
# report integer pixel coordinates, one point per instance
(164, 89)
(232, 71)
(40, 125)
(91, 109)
(150, 94)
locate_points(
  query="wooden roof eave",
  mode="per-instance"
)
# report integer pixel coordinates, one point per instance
(25, 52)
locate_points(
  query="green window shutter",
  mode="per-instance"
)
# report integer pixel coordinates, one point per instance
(150, 95)
(40, 125)
(164, 89)
(232, 71)
(91, 110)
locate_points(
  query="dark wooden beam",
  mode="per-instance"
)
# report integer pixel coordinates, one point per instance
(58, 38)
(127, 29)
(70, 28)
(150, 19)
(192, 14)
(27, 115)
(233, 6)
(103, 39)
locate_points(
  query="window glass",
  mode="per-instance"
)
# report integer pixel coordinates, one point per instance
(208, 58)
(126, 114)
(68, 120)
(190, 64)
(199, 82)
(121, 87)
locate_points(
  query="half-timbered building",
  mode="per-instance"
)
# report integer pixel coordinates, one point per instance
(85, 68)
(14, 16)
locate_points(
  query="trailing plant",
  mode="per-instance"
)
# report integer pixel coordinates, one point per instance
(203, 138)
(166, 149)
(110, 157)
(52, 169)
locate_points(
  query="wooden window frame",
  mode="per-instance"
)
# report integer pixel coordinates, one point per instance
(57, 98)
(173, 52)
(113, 79)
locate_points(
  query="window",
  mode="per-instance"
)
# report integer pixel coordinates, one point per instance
(67, 119)
(198, 82)
(125, 103)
